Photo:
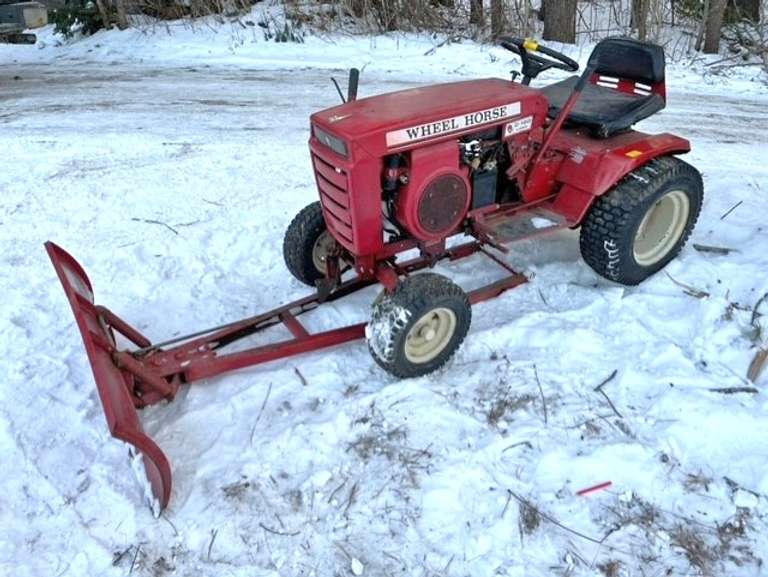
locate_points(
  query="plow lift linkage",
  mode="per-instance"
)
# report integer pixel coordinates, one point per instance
(128, 380)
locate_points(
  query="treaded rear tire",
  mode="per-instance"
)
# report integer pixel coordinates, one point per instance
(299, 243)
(395, 314)
(607, 237)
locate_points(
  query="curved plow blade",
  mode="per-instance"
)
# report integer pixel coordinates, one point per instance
(116, 386)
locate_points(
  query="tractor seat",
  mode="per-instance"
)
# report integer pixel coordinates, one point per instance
(626, 87)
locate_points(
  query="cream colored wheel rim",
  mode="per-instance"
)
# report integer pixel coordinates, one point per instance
(430, 335)
(661, 228)
(320, 251)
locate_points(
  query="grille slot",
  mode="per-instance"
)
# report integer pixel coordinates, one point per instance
(334, 197)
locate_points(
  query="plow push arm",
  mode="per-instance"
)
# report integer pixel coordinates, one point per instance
(129, 380)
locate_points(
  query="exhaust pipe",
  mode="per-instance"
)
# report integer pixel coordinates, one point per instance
(354, 81)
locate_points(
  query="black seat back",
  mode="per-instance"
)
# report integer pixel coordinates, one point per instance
(629, 59)
(629, 66)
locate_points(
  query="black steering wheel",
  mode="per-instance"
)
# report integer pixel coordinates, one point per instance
(534, 63)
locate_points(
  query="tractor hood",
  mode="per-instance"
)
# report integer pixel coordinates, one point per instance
(400, 120)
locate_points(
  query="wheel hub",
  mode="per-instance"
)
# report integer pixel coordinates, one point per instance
(661, 228)
(430, 335)
(323, 246)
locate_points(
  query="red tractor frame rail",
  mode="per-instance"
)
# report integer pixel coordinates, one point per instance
(128, 380)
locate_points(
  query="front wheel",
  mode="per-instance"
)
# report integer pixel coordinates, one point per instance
(640, 225)
(306, 245)
(418, 327)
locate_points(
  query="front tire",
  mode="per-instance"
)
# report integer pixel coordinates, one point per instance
(306, 245)
(640, 225)
(417, 328)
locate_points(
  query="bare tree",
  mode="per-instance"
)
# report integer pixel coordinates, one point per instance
(713, 25)
(497, 17)
(748, 9)
(121, 16)
(357, 7)
(639, 19)
(560, 20)
(476, 12)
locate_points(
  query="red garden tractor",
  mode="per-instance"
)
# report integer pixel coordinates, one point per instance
(490, 161)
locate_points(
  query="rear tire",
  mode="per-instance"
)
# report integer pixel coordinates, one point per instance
(417, 328)
(306, 244)
(640, 225)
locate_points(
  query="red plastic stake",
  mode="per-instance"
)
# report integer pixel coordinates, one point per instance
(594, 488)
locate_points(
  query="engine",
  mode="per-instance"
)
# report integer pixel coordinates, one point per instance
(429, 191)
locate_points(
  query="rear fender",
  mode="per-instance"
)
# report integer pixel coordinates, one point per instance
(586, 175)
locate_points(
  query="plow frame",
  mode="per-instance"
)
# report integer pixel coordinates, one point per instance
(129, 380)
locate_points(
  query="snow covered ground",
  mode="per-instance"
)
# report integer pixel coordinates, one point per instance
(470, 471)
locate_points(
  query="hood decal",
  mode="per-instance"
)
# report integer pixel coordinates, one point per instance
(454, 124)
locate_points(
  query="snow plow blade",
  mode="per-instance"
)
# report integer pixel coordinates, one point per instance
(116, 386)
(129, 380)
(150, 373)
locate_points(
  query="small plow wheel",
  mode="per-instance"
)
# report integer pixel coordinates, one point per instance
(418, 327)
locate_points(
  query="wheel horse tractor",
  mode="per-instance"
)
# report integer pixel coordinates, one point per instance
(492, 160)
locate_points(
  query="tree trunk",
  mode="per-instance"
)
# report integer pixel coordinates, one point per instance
(476, 12)
(639, 20)
(560, 20)
(357, 7)
(714, 22)
(121, 15)
(104, 13)
(748, 9)
(497, 18)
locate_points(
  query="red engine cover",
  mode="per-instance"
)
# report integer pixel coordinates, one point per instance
(438, 195)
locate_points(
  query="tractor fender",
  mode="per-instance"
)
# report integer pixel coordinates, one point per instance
(587, 174)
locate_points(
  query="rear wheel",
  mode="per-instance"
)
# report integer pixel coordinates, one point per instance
(417, 328)
(306, 245)
(636, 228)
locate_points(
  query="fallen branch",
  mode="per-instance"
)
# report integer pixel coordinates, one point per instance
(138, 548)
(261, 410)
(756, 314)
(214, 532)
(151, 221)
(448, 40)
(757, 365)
(554, 521)
(599, 389)
(336, 490)
(352, 497)
(275, 532)
(730, 210)
(688, 289)
(713, 249)
(301, 377)
(734, 390)
(541, 392)
(506, 505)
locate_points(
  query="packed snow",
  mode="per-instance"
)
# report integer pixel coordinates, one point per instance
(170, 165)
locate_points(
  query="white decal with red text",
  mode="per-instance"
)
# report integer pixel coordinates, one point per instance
(518, 126)
(449, 125)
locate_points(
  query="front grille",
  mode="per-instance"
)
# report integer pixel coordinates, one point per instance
(334, 196)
